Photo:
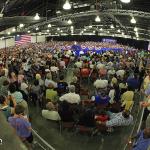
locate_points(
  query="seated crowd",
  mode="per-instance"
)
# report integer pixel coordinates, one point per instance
(34, 76)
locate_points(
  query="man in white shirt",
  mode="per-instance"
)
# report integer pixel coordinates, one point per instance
(71, 97)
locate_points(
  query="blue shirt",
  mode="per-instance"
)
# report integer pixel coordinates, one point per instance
(21, 126)
(102, 100)
(142, 144)
(132, 82)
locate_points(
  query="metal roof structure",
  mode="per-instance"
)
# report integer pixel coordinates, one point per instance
(115, 17)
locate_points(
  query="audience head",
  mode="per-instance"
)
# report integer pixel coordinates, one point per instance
(146, 133)
(3, 72)
(61, 77)
(49, 76)
(36, 82)
(126, 114)
(50, 106)
(19, 110)
(2, 99)
(6, 83)
(38, 76)
(50, 86)
(12, 88)
(72, 89)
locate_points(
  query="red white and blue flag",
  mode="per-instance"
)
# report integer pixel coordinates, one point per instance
(22, 39)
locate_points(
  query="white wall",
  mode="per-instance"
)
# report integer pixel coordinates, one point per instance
(9, 42)
(39, 38)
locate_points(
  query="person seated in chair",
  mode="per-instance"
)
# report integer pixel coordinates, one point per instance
(51, 113)
(119, 119)
(71, 97)
(62, 86)
(101, 99)
(87, 118)
(66, 114)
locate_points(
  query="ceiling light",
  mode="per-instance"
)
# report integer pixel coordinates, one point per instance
(36, 17)
(49, 25)
(8, 33)
(125, 1)
(29, 31)
(37, 28)
(84, 29)
(101, 29)
(119, 30)
(122, 33)
(133, 21)
(137, 35)
(21, 25)
(40, 33)
(135, 29)
(47, 30)
(112, 26)
(72, 27)
(69, 21)
(97, 19)
(90, 26)
(13, 30)
(18, 35)
(58, 29)
(61, 31)
(108, 31)
(67, 5)
(93, 31)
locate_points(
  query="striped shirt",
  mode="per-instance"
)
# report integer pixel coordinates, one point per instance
(118, 120)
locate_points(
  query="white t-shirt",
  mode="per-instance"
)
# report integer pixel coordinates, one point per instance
(71, 98)
(51, 115)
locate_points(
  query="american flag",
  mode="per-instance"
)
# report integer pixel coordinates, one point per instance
(22, 39)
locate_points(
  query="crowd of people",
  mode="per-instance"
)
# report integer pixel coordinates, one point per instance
(35, 75)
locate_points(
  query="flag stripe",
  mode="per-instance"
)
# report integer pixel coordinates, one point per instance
(22, 39)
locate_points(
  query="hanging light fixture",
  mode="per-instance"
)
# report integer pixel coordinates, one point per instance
(112, 26)
(133, 21)
(67, 5)
(13, 30)
(36, 28)
(137, 34)
(36, 17)
(58, 29)
(69, 21)
(97, 19)
(21, 25)
(49, 25)
(119, 30)
(125, 1)
(135, 29)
